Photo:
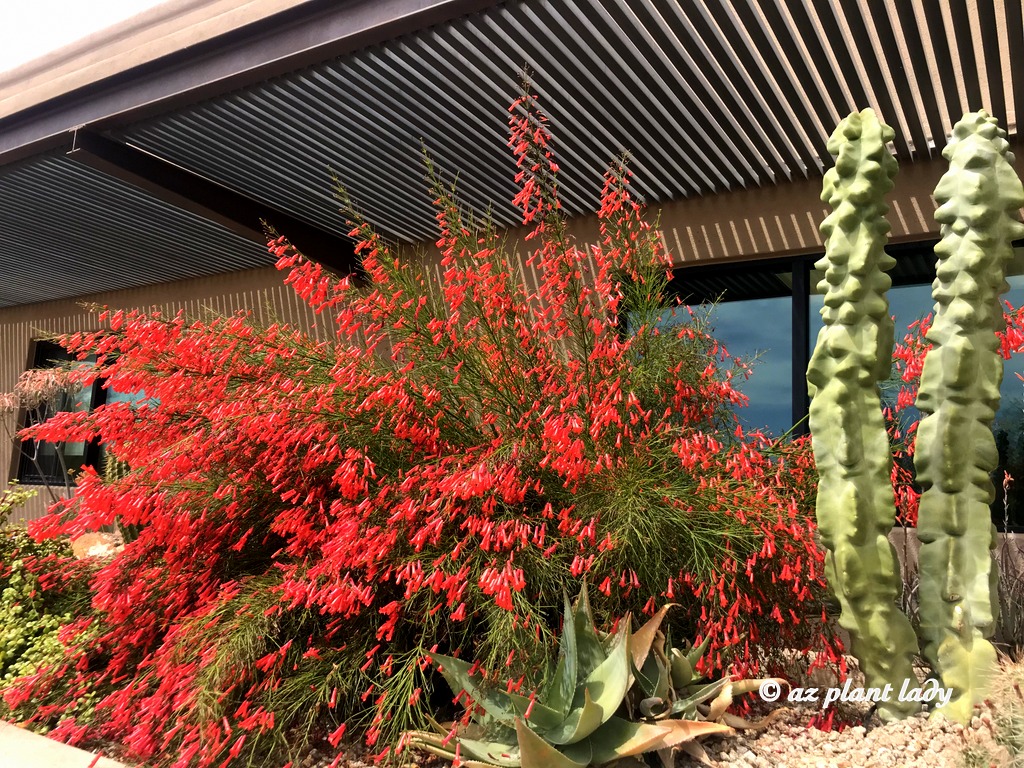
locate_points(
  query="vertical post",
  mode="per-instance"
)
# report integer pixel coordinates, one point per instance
(801, 341)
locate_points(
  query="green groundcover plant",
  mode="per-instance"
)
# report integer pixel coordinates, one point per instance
(312, 519)
(44, 600)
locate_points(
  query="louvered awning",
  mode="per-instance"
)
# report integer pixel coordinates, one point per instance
(706, 96)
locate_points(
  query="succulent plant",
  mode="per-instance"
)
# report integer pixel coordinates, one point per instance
(589, 712)
(670, 686)
(855, 506)
(978, 202)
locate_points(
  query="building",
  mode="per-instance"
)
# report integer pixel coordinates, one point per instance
(136, 165)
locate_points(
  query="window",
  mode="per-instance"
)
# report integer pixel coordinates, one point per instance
(753, 318)
(41, 463)
(770, 311)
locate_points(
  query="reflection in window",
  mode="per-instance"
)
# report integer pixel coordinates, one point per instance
(752, 316)
(907, 304)
(758, 332)
(1008, 508)
(750, 312)
(43, 463)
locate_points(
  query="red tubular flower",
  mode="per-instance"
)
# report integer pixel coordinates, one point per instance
(424, 464)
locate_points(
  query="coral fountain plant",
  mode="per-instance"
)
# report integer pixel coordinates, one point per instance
(317, 514)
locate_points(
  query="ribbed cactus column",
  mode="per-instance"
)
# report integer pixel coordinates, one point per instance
(959, 395)
(855, 505)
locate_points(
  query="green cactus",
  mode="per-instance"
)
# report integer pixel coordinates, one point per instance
(959, 395)
(855, 504)
(586, 714)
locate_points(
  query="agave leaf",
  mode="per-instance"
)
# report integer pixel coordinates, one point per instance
(608, 684)
(504, 742)
(688, 705)
(682, 670)
(440, 752)
(499, 753)
(589, 649)
(694, 654)
(494, 702)
(542, 718)
(679, 732)
(602, 694)
(535, 752)
(739, 723)
(652, 679)
(438, 727)
(646, 684)
(721, 703)
(667, 758)
(696, 751)
(644, 637)
(582, 721)
(739, 687)
(656, 662)
(562, 687)
(617, 738)
(423, 737)
(654, 708)
(429, 742)
(471, 730)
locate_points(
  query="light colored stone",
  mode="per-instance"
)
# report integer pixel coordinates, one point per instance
(23, 749)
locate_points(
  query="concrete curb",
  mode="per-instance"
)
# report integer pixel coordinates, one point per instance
(23, 749)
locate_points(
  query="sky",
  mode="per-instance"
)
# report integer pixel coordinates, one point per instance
(32, 28)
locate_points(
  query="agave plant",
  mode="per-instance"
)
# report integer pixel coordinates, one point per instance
(585, 714)
(668, 686)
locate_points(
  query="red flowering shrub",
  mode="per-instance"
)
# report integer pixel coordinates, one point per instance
(314, 517)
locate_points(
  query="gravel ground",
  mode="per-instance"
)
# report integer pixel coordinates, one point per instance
(917, 742)
(788, 742)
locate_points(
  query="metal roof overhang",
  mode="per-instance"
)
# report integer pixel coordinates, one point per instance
(707, 95)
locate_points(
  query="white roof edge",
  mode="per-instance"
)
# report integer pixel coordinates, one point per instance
(165, 29)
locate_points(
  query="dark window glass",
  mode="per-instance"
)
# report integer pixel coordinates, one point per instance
(750, 310)
(1008, 509)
